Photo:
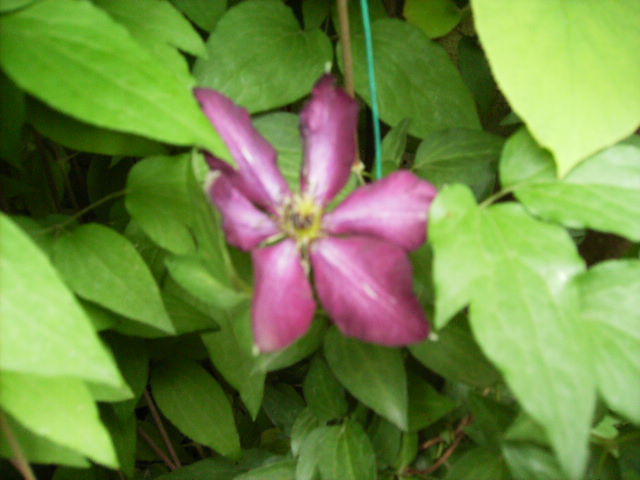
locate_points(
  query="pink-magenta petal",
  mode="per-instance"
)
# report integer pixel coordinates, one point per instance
(283, 304)
(244, 225)
(366, 286)
(262, 181)
(329, 132)
(393, 209)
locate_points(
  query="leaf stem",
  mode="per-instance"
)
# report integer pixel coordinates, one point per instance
(20, 461)
(160, 425)
(497, 196)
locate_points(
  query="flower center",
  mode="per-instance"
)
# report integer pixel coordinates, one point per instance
(301, 219)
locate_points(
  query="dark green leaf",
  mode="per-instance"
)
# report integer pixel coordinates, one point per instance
(374, 375)
(207, 469)
(310, 453)
(102, 266)
(426, 405)
(44, 330)
(284, 470)
(323, 392)
(195, 403)
(490, 420)
(47, 50)
(394, 144)
(480, 464)
(315, 12)
(416, 80)
(11, 121)
(476, 73)
(460, 156)
(346, 453)
(122, 429)
(243, 46)
(454, 354)
(204, 13)
(385, 439)
(305, 423)
(529, 462)
(282, 405)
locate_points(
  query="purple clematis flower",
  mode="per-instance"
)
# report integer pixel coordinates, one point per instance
(357, 253)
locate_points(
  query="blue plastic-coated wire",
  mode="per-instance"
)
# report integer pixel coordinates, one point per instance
(366, 22)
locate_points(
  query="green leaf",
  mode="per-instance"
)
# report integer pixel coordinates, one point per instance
(416, 80)
(60, 410)
(102, 266)
(210, 469)
(230, 350)
(323, 392)
(476, 73)
(310, 453)
(187, 313)
(44, 330)
(122, 429)
(283, 404)
(581, 101)
(531, 334)
(454, 354)
(346, 453)
(195, 403)
(491, 419)
(305, 423)
(85, 137)
(12, 120)
(434, 17)
(460, 156)
(156, 20)
(14, 4)
(38, 449)
(282, 130)
(528, 462)
(75, 58)
(426, 405)
(374, 375)
(195, 278)
(315, 12)
(158, 200)
(602, 193)
(394, 144)
(284, 470)
(204, 13)
(385, 439)
(479, 464)
(610, 309)
(523, 160)
(243, 46)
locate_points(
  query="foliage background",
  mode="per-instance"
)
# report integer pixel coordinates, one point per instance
(125, 347)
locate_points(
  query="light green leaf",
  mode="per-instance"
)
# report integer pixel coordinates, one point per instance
(523, 160)
(454, 354)
(282, 130)
(187, 313)
(158, 200)
(416, 80)
(434, 17)
(346, 453)
(610, 308)
(530, 332)
(155, 20)
(14, 4)
(581, 100)
(460, 156)
(38, 449)
(324, 394)
(374, 375)
(204, 13)
(195, 403)
(85, 137)
(103, 266)
(74, 57)
(44, 330)
(230, 350)
(602, 193)
(242, 48)
(283, 470)
(60, 410)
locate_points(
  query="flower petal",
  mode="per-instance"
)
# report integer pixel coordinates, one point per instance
(262, 181)
(329, 132)
(366, 286)
(283, 304)
(393, 209)
(244, 225)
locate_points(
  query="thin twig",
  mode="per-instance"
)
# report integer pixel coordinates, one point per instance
(431, 442)
(160, 425)
(158, 451)
(20, 461)
(459, 435)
